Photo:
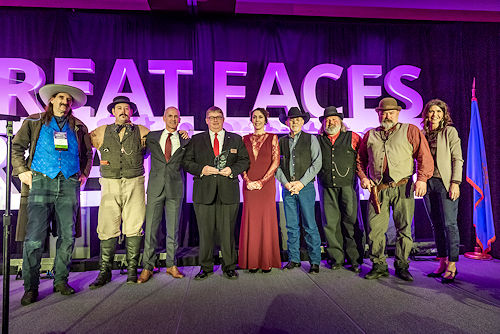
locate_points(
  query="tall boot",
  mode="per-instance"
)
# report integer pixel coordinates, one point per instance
(133, 245)
(105, 263)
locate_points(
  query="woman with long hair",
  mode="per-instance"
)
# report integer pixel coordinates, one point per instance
(443, 188)
(259, 242)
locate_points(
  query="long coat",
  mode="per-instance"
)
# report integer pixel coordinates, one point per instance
(26, 139)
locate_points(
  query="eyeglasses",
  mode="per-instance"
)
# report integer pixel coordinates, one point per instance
(214, 118)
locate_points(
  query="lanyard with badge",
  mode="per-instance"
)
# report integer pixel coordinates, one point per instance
(61, 137)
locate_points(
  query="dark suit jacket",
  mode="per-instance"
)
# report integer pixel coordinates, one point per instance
(165, 177)
(199, 153)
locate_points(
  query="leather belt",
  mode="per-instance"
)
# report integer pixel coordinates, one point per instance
(392, 184)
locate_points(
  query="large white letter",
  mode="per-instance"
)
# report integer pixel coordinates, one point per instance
(408, 96)
(125, 69)
(171, 69)
(63, 74)
(286, 99)
(357, 92)
(222, 91)
(11, 89)
(308, 89)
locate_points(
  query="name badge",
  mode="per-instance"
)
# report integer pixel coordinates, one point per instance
(61, 141)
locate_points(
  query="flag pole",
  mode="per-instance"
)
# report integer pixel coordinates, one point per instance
(479, 253)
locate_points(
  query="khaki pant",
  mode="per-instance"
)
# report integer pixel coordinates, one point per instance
(122, 200)
(401, 200)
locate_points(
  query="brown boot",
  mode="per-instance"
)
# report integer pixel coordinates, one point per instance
(145, 276)
(174, 272)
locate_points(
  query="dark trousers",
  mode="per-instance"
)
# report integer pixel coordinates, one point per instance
(49, 200)
(154, 213)
(216, 222)
(339, 207)
(442, 212)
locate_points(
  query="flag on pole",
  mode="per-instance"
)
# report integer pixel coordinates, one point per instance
(477, 177)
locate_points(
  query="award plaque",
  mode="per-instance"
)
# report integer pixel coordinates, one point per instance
(221, 160)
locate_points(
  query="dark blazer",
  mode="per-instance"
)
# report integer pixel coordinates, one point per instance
(165, 177)
(199, 153)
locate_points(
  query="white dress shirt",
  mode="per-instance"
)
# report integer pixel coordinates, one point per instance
(220, 138)
(176, 143)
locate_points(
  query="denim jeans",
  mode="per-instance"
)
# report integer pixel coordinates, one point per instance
(296, 205)
(442, 212)
(50, 200)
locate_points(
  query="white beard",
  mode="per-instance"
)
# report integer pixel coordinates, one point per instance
(386, 124)
(332, 130)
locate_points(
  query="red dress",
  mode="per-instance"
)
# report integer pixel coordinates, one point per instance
(259, 241)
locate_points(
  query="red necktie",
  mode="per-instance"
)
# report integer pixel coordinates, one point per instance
(216, 145)
(168, 148)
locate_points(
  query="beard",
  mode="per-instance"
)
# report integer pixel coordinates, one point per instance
(387, 124)
(332, 130)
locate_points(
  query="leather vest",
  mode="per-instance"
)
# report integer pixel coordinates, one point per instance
(123, 159)
(338, 161)
(300, 157)
(396, 148)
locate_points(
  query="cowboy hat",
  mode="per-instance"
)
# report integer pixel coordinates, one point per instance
(48, 91)
(388, 103)
(331, 111)
(123, 99)
(294, 112)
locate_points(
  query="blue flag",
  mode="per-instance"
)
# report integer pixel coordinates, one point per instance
(477, 177)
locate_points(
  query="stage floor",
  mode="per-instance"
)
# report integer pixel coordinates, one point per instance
(278, 302)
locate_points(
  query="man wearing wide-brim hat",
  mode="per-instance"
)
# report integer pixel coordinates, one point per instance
(338, 197)
(59, 162)
(122, 210)
(300, 162)
(387, 156)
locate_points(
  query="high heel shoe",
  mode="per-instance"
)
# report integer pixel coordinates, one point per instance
(435, 275)
(451, 278)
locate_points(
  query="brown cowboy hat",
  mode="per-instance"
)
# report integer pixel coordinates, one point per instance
(388, 103)
(330, 111)
(294, 112)
(79, 97)
(123, 99)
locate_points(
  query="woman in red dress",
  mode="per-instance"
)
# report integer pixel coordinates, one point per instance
(259, 243)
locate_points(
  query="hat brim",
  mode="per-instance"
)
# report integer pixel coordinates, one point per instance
(321, 118)
(284, 117)
(398, 108)
(48, 91)
(131, 104)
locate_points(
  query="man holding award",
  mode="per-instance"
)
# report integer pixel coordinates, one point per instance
(216, 158)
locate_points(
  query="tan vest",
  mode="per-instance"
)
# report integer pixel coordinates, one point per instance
(396, 148)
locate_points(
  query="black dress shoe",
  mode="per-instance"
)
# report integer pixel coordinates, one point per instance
(377, 272)
(231, 274)
(64, 288)
(266, 271)
(29, 297)
(404, 274)
(291, 265)
(202, 275)
(355, 268)
(253, 271)
(314, 269)
(449, 279)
